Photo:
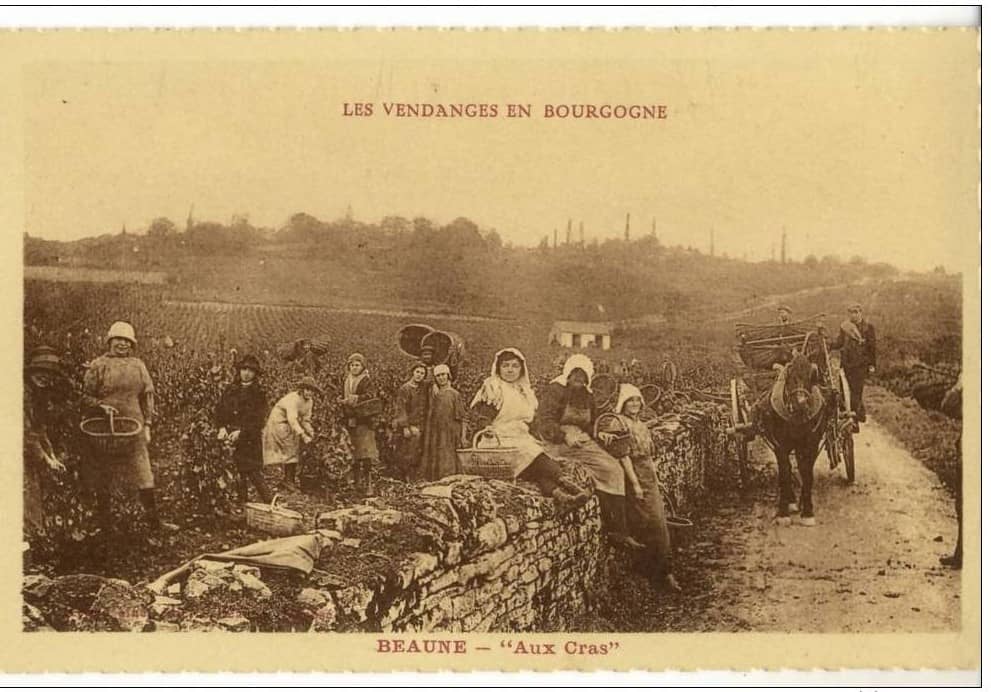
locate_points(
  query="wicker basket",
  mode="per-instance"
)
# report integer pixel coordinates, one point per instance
(651, 395)
(368, 408)
(489, 462)
(277, 521)
(604, 390)
(112, 434)
(611, 423)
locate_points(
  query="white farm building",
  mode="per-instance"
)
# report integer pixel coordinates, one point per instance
(582, 334)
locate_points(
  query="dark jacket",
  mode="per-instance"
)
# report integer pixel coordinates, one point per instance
(244, 408)
(559, 407)
(411, 405)
(854, 354)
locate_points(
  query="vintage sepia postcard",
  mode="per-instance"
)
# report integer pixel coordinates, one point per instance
(470, 350)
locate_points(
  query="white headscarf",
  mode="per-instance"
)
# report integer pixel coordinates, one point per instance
(627, 391)
(576, 361)
(491, 389)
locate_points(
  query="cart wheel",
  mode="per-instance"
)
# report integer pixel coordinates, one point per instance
(736, 415)
(846, 450)
(844, 392)
(832, 446)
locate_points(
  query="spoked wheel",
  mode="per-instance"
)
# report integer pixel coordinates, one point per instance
(831, 445)
(846, 451)
(845, 443)
(740, 416)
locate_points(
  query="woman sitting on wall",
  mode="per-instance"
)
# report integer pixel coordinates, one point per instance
(507, 402)
(564, 422)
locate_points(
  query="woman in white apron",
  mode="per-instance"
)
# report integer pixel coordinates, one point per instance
(507, 399)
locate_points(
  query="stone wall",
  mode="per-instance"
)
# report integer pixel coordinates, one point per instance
(463, 554)
(509, 563)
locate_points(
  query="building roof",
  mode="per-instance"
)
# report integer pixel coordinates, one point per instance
(582, 327)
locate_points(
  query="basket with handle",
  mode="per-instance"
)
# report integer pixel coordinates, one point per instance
(614, 425)
(493, 461)
(112, 433)
(271, 519)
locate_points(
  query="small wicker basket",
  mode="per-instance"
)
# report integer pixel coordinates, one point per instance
(277, 521)
(113, 434)
(496, 462)
(622, 441)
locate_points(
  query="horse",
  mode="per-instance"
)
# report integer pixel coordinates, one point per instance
(792, 417)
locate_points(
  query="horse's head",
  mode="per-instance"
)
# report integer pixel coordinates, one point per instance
(799, 380)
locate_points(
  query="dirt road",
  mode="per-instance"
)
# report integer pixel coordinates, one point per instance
(870, 565)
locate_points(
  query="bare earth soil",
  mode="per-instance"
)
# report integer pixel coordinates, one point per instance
(871, 564)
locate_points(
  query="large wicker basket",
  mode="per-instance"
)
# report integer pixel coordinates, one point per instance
(277, 521)
(112, 433)
(368, 408)
(493, 461)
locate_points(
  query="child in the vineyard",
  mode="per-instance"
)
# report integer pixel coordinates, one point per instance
(410, 417)
(359, 421)
(289, 426)
(241, 417)
(446, 427)
(645, 507)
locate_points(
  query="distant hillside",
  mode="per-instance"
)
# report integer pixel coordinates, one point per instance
(458, 267)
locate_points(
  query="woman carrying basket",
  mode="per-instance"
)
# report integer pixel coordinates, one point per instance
(506, 398)
(118, 384)
(290, 425)
(643, 501)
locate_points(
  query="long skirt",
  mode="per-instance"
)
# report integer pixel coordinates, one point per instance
(605, 470)
(363, 444)
(280, 444)
(248, 452)
(129, 467)
(648, 522)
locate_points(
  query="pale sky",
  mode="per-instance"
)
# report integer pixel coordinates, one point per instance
(865, 146)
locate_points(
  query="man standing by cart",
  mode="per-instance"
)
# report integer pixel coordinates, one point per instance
(857, 344)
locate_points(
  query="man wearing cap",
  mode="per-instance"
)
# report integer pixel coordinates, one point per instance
(241, 415)
(857, 344)
(44, 385)
(784, 314)
(117, 383)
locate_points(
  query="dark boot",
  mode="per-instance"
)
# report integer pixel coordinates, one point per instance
(104, 512)
(147, 497)
(291, 474)
(568, 502)
(242, 488)
(356, 475)
(367, 487)
(614, 521)
(258, 480)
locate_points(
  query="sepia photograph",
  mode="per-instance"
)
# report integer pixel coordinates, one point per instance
(568, 338)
